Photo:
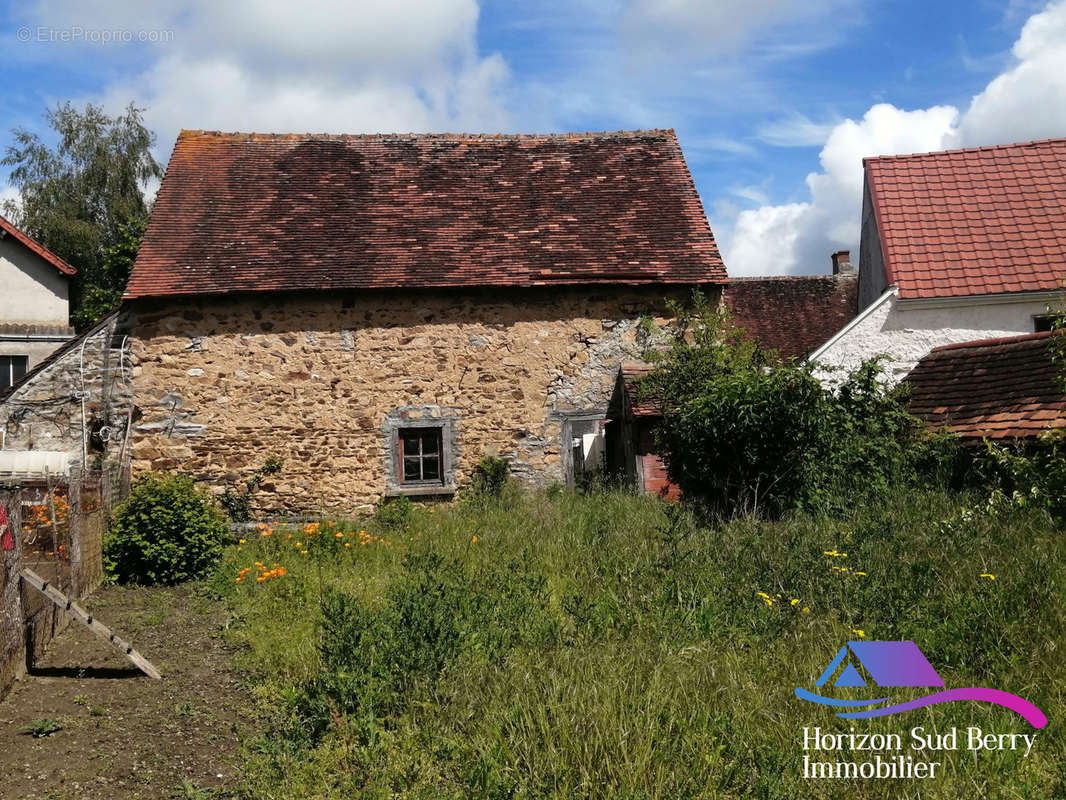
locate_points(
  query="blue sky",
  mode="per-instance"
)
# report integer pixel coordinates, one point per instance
(775, 101)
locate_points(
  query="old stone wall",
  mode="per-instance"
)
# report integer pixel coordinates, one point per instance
(78, 403)
(321, 380)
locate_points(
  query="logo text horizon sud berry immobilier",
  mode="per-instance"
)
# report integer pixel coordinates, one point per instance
(901, 664)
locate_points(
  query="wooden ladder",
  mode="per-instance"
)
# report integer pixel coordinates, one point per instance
(97, 627)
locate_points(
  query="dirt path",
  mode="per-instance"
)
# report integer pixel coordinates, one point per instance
(123, 735)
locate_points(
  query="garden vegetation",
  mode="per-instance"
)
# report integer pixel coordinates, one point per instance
(601, 644)
(607, 645)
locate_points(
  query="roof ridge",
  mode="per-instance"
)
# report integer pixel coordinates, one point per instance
(445, 136)
(992, 342)
(59, 263)
(957, 150)
(753, 278)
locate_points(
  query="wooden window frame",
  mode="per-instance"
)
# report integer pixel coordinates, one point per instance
(404, 421)
(421, 433)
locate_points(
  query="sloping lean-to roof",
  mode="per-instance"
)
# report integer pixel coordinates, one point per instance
(994, 388)
(8, 228)
(256, 212)
(987, 220)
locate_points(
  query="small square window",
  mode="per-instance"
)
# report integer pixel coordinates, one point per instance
(420, 456)
(11, 369)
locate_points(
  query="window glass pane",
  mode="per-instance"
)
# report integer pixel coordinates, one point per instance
(18, 367)
(410, 445)
(412, 469)
(430, 468)
(430, 442)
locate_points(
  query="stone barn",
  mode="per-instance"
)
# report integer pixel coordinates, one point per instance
(382, 312)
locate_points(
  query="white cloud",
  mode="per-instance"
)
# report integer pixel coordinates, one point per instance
(795, 130)
(1028, 101)
(328, 66)
(719, 27)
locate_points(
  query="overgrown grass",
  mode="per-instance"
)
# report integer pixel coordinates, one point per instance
(559, 645)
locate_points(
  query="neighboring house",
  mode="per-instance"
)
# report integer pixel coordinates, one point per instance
(34, 305)
(956, 246)
(791, 315)
(999, 389)
(795, 314)
(384, 311)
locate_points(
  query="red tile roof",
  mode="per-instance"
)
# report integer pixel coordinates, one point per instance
(259, 212)
(793, 315)
(639, 406)
(986, 220)
(9, 228)
(996, 388)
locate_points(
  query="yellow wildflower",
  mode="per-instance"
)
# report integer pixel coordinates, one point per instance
(987, 575)
(859, 632)
(795, 601)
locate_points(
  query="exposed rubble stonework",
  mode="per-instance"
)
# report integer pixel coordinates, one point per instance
(76, 401)
(325, 380)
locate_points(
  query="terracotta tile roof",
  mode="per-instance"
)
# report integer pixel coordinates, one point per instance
(996, 388)
(630, 375)
(793, 315)
(258, 212)
(965, 222)
(9, 228)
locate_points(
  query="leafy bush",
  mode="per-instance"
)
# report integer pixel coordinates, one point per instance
(490, 476)
(743, 432)
(1029, 474)
(394, 513)
(166, 532)
(238, 502)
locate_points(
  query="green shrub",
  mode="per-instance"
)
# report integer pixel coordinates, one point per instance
(490, 476)
(743, 432)
(394, 513)
(166, 532)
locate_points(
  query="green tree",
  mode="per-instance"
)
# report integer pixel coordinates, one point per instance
(83, 198)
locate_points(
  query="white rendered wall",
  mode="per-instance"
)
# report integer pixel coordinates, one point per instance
(32, 291)
(905, 335)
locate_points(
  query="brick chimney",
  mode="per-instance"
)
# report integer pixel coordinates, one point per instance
(842, 263)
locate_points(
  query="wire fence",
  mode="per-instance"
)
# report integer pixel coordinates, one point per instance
(55, 527)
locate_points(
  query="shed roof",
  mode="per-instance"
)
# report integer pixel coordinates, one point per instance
(793, 314)
(1007, 388)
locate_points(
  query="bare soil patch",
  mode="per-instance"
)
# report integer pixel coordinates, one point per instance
(124, 735)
